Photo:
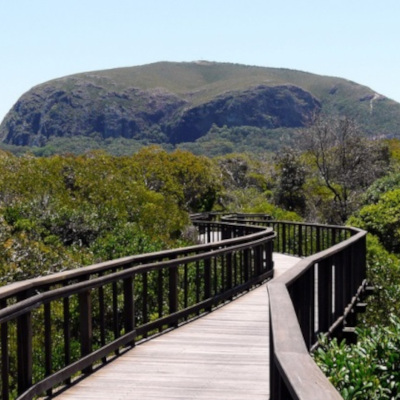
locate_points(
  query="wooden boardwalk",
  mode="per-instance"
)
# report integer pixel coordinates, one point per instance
(223, 355)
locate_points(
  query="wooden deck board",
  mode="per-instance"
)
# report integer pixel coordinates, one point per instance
(223, 355)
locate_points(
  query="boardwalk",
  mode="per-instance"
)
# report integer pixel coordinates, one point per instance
(223, 355)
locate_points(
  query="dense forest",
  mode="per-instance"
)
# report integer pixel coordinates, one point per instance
(66, 211)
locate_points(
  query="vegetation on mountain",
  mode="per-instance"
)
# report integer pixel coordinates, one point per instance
(199, 106)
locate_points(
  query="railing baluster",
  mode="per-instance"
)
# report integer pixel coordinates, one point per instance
(24, 349)
(300, 240)
(5, 358)
(145, 300)
(215, 274)
(284, 238)
(318, 228)
(67, 335)
(85, 318)
(173, 291)
(102, 320)
(129, 307)
(47, 342)
(185, 286)
(229, 272)
(114, 287)
(325, 319)
(198, 283)
(160, 294)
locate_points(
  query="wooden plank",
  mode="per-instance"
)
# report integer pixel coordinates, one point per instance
(219, 356)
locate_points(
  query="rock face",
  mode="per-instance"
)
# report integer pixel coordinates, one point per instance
(136, 114)
(179, 102)
(262, 106)
(87, 110)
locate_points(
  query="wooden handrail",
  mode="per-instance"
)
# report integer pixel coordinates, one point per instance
(318, 295)
(105, 307)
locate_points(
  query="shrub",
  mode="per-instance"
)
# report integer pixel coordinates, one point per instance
(369, 369)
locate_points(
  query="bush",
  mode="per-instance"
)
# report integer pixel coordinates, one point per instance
(383, 273)
(382, 219)
(369, 369)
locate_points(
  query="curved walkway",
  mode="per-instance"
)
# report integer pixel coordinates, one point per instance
(223, 355)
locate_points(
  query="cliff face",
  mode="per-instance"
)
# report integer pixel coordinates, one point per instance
(179, 102)
(134, 113)
(262, 106)
(86, 110)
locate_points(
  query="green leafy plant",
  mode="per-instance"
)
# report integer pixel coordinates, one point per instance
(369, 369)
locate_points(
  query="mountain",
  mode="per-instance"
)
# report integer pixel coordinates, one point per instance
(178, 103)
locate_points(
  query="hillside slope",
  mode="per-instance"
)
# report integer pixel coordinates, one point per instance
(180, 102)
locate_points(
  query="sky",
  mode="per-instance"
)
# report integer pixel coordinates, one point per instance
(42, 40)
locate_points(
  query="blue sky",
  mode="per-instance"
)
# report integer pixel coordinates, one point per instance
(45, 39)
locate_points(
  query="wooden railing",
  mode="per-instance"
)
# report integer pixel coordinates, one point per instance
(57, 327)
(319, 295)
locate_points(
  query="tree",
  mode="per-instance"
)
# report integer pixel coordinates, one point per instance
(291, 177)
(345, 161)
(382, 219)
(190, 180)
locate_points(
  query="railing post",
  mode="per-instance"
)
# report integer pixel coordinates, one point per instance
(300, 240)
(207, 280)
(160, 293)
(324, 295)
(129, 307)
(318, 239)
(48, 342)
(67, 334)
(283, 238)
(116, 329)
(85, 319)
(5, 358)
(145, 295)
(173, 291)
(246, 264)
(333, 238)
(24, 351)
(102, 319)
(208, 233)
(229, 274)
(339, 284)
(361, 259)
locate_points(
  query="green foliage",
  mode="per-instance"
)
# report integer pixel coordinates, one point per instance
(291, 176)
(394, 149)
(369, 369)
(382, 219)
(64, 211)
(383, 273)
(124, 240)
(224, 140)
(381, 186)
(247, 187)
(251, 201)
(189, 179)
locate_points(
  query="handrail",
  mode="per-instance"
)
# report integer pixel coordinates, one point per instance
(69, 322)
(318, 295)
(107, 307)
